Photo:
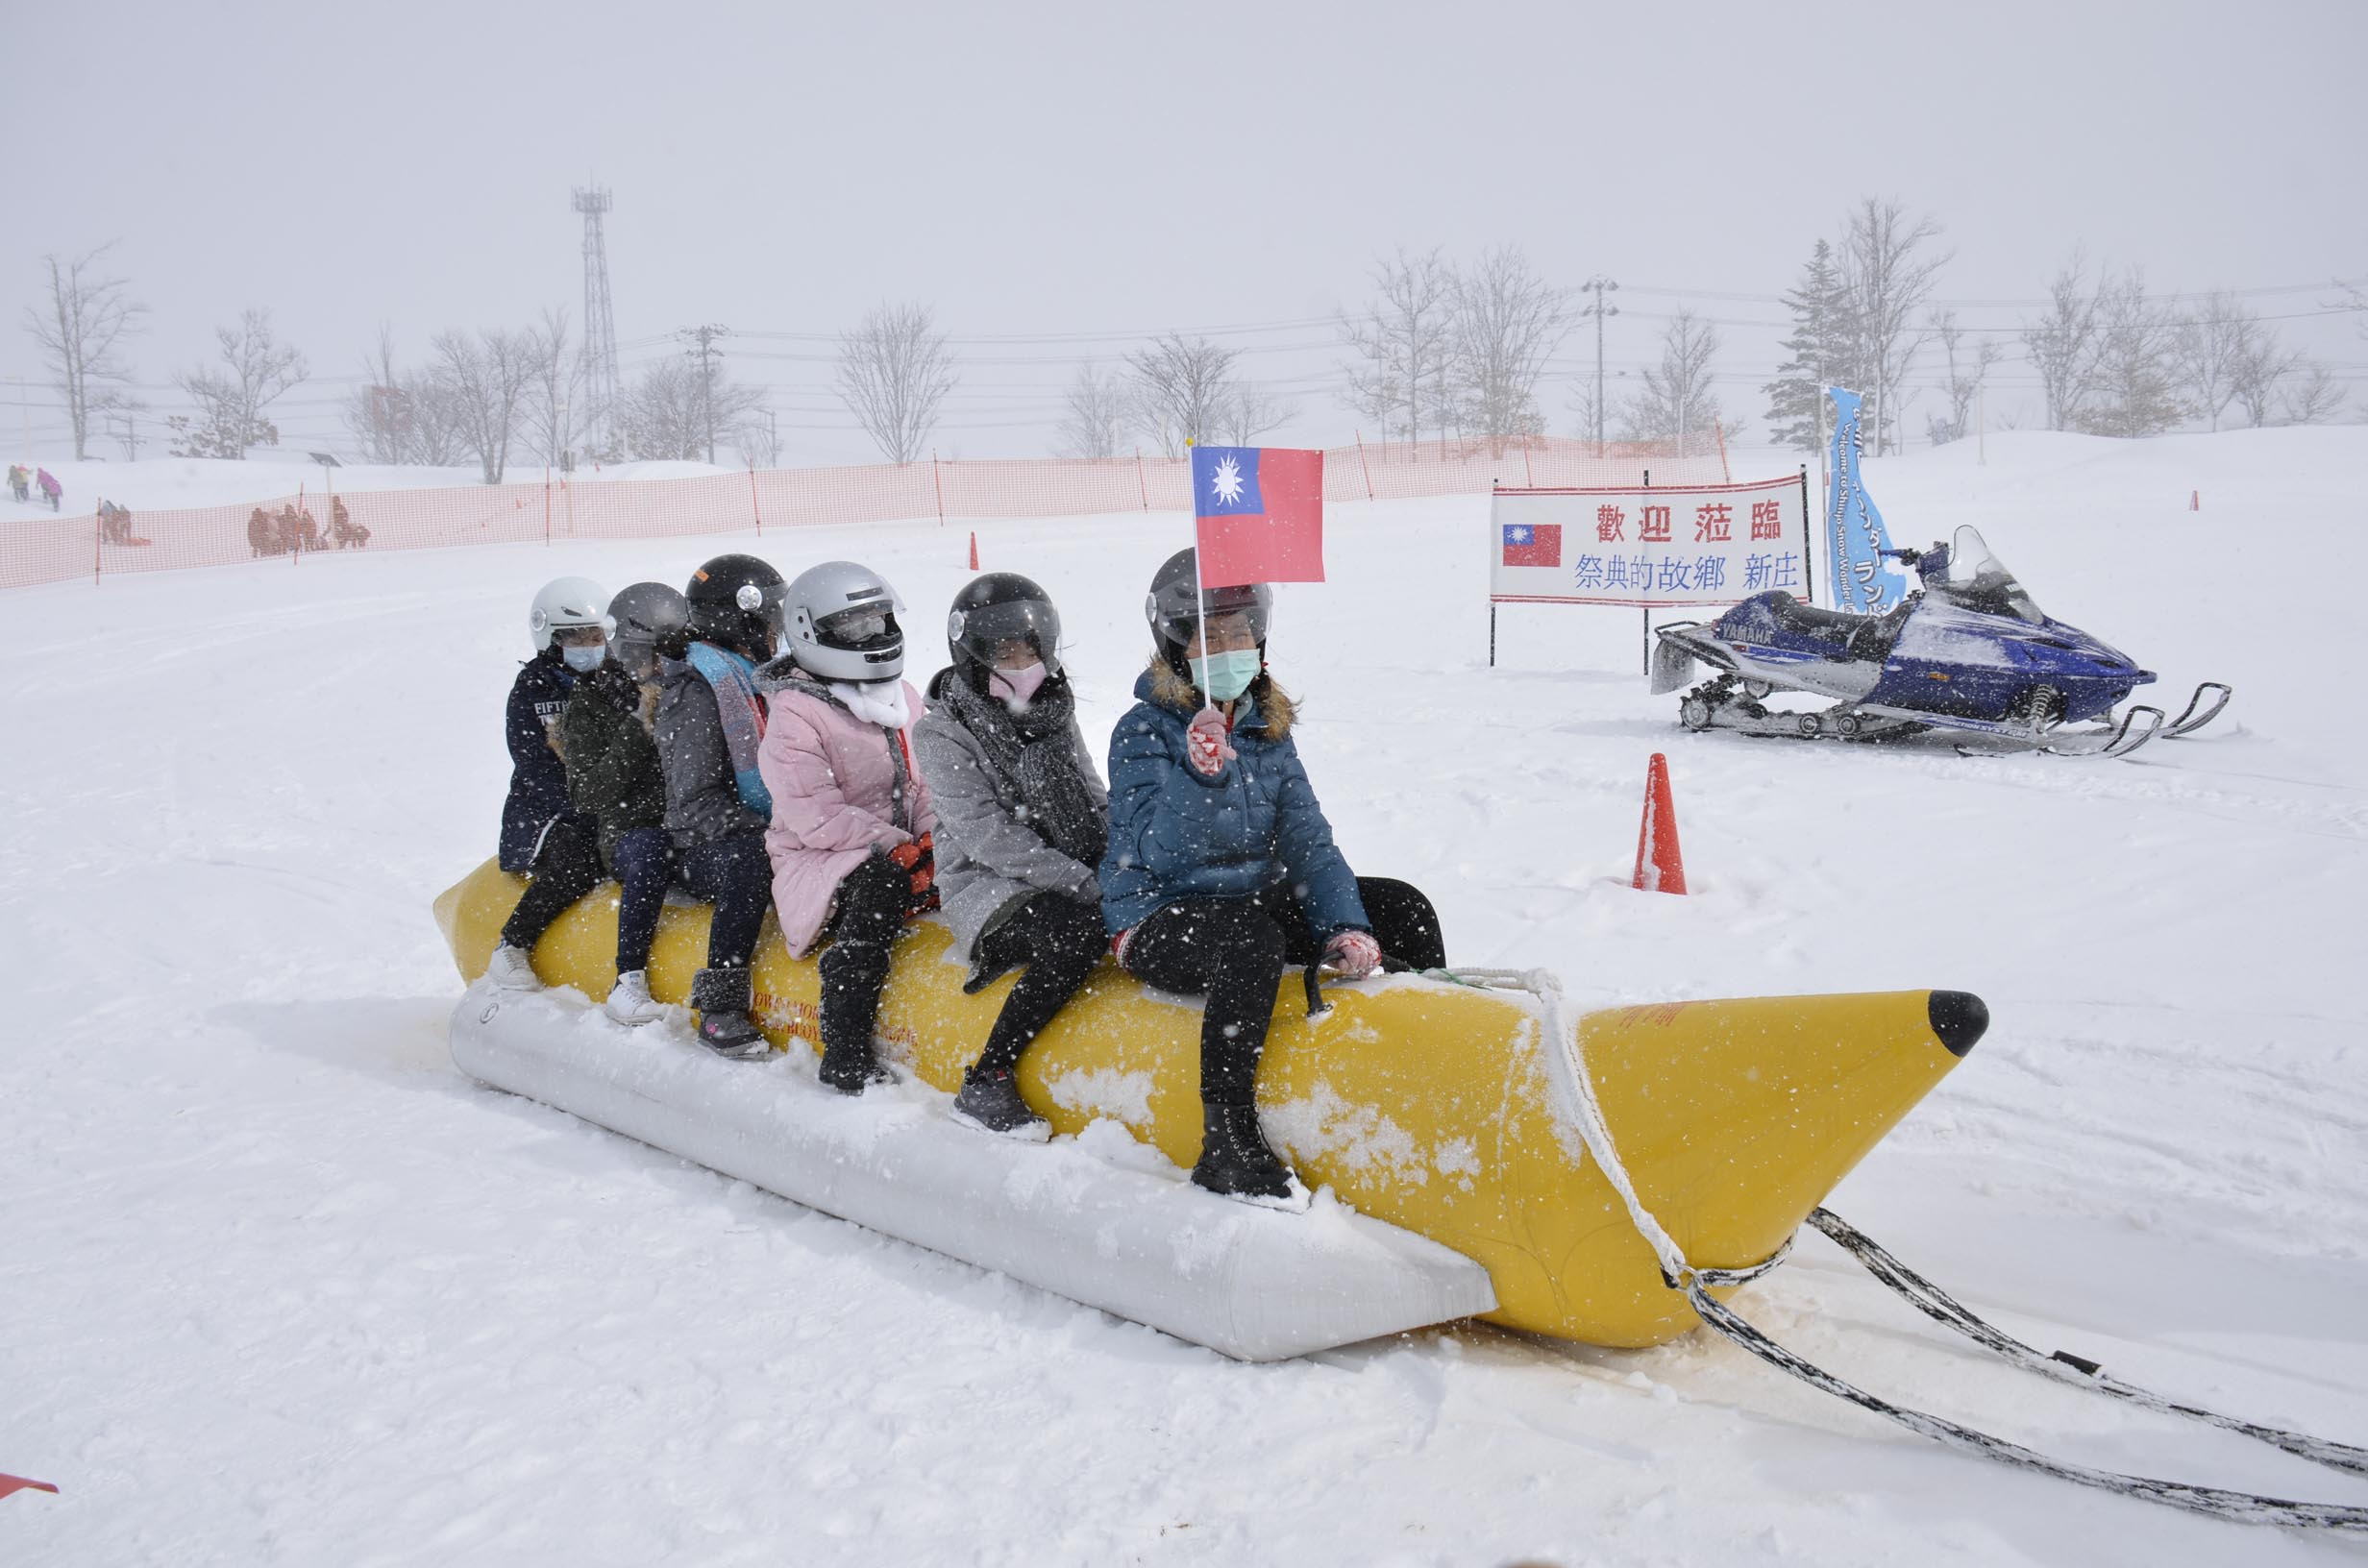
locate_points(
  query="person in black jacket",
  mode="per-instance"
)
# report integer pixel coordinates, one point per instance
(710, 720)
(543, 836)
(613, 776)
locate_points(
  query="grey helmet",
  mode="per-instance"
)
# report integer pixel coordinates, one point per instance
(648, 622)
(1175, 617)
(842, 623)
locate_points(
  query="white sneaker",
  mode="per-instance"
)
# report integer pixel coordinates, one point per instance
(631, 1004)
(512, 968)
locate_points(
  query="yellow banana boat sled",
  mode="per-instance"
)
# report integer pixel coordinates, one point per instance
(1426, 1103)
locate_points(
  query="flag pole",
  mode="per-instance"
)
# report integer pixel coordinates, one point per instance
(1200, 591)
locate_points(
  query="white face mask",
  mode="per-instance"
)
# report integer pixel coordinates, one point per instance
(1017, 687)
(584, 660)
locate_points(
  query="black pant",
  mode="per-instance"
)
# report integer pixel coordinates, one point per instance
(567, 866)
(644, 862)
(736, 876)
(1235, 950)
(871, 900)
(1060, 940)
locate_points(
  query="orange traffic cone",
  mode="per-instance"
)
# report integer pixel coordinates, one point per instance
(2195, 500)
(973, 549)
(1659, 866)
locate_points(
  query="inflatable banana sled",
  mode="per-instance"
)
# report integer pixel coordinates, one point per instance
(1428, 1105)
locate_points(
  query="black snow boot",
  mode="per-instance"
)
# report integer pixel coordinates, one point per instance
(723, 998)
(989, 1101)
(1236, 1161)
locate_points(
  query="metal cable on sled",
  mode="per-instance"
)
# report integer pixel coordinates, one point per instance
(1568, 1068)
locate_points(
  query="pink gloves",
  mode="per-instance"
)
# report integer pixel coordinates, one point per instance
(1352, 954)
(1205, 746)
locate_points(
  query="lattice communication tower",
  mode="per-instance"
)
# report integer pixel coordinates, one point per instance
(600, 321)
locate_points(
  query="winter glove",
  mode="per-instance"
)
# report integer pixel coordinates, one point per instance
(1205, 746)
(1352, 954)
(918, 857)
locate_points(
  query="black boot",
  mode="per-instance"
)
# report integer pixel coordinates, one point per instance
(1236, 1161)
(723, 997)
(989, 1101)
(852, 973)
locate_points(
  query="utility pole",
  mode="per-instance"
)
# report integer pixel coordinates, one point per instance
(1599, 286)
(703, 337)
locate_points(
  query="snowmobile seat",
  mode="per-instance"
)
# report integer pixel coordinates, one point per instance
(1866, 637)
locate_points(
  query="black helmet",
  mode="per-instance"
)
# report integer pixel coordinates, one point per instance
(736, 604)
(1174, 617)
(648, 622)
(998, 609)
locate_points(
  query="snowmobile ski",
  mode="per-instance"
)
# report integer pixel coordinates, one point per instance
(2189, 720)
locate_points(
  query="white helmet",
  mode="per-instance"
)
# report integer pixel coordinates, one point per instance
(842, 623)
(564, 602)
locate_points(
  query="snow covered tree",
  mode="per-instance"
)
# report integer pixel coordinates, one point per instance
(1098, 410)
(2257, 373)
(1404, 343)
(2063, 343)
(484, 377)
(255, 369)
(77, 329)
(1507, 320)
(894, 371)
(1819, 352)
(1889, 268)
(2311, 395)
(664, 414)
(1677, 404)
(2132, 392)
(555, 393)
(1251, 412)
(1183, 387)
(2208, 344)
(1968, 368)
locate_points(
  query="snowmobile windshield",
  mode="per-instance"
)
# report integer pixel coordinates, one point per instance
(1980, 581)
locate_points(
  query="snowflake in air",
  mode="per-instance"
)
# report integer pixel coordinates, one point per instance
(1226, 481)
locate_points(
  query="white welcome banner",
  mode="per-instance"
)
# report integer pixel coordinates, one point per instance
(1696, 544)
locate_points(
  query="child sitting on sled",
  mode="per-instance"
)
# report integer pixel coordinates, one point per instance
(1221, 869)
(851, 838)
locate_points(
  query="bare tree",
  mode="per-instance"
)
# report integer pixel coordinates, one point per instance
(88, 314)
(1183, 386)
(759, 438)
(2311, 395)
(1506, 321)
(231, 399)
(2134, 392)
(485, 375)
(1968, 368)
(1252, 411)
(664, 414)
(2207, 345)
(376, 412)
(2260, 370)
(894, 372)
(1404, 343)
(2063, 343)
(1677, 402)
(1889, 268)
(1098, 409)
(555, 398)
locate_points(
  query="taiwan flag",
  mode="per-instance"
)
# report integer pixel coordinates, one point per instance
(1533, 544)
(1260, 512)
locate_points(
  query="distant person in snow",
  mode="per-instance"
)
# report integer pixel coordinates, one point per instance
(614, 777)
(709, 723)
(543, 836)
(850, 836)
(1022, 823)
(21, 482)
(50, 487)
(1221, 869)
(343, 531)
(262, 537)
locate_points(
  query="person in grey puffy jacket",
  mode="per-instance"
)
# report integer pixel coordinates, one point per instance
(1023, 822)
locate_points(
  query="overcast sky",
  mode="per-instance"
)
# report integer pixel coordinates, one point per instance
(1040, 170)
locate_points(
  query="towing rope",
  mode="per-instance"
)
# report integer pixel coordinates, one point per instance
(1568, 1066)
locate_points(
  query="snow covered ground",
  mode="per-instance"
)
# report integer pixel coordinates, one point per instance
(282, 1288)
(158, 483)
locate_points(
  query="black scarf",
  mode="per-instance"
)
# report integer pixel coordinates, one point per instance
(1034, 750)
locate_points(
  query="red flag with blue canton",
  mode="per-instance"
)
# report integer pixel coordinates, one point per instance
(1259, 514)
(1533, 544)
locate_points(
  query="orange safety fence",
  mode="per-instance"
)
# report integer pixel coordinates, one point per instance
(558, 507)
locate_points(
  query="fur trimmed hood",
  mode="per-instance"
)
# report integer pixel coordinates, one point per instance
(1275, 712)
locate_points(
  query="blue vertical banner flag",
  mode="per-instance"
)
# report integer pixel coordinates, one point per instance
(1865, 581)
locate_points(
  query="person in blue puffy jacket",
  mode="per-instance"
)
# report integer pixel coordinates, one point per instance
(1222, 871)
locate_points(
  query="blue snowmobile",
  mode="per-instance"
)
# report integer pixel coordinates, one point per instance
(1970, 653)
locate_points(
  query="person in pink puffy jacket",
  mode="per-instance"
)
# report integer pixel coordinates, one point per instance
(850, 838)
